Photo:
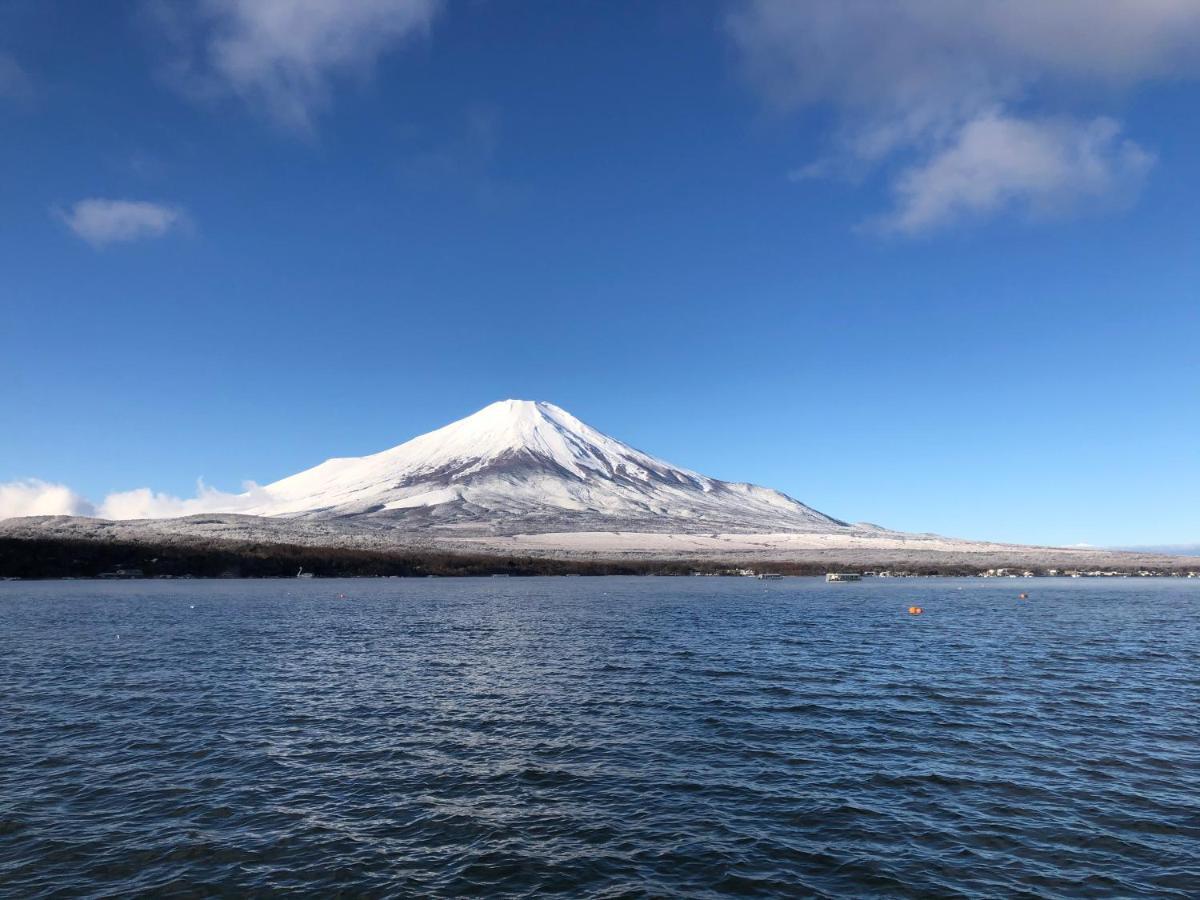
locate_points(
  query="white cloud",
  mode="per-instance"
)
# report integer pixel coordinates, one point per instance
(281, 56)
(997, 162)
(143, 503)
(101, 222)
(919, 83)
(39, 498)
(33, 497)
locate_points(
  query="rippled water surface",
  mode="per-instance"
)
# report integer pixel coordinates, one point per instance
(608, 737)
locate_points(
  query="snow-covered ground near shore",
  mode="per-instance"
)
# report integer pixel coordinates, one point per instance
(880, 549)
(621, 542)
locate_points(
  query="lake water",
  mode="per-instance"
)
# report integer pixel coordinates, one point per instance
(611, 737)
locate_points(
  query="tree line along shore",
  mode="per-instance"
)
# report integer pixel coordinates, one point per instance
(41, 558)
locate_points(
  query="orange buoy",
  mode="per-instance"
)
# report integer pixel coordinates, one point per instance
(915, 610)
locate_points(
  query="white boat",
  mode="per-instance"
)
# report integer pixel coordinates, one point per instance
(300, 573)
(842, 576)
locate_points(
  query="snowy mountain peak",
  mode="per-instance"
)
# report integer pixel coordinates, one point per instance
(529, 428)
(530, 465)
(504, 426)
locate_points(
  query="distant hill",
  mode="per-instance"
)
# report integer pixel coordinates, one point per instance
(1166, 549)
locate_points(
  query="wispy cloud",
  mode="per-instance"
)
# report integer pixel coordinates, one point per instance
(462, 157)
(282, 56)
(101, 222)
(920, 86)
(15, 84)
(1041, 168)
(32, 497)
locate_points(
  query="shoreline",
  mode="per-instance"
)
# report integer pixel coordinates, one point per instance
(48, 558)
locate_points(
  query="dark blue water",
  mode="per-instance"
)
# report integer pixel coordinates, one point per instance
(605, 737)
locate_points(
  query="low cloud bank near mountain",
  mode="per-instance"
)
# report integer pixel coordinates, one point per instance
(34, 497)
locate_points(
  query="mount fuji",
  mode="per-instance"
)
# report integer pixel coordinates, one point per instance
(520, 466)
(528, 478)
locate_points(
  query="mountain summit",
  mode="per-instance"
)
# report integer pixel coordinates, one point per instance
(522, 466)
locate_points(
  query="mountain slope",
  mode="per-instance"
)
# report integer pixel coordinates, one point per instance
(520, 466)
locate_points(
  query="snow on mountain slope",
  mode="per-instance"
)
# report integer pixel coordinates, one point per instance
(521, 466)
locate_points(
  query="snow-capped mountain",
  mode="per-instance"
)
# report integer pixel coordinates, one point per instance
(524, 466)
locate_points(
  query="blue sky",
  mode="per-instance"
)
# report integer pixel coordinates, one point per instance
(916, 264)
